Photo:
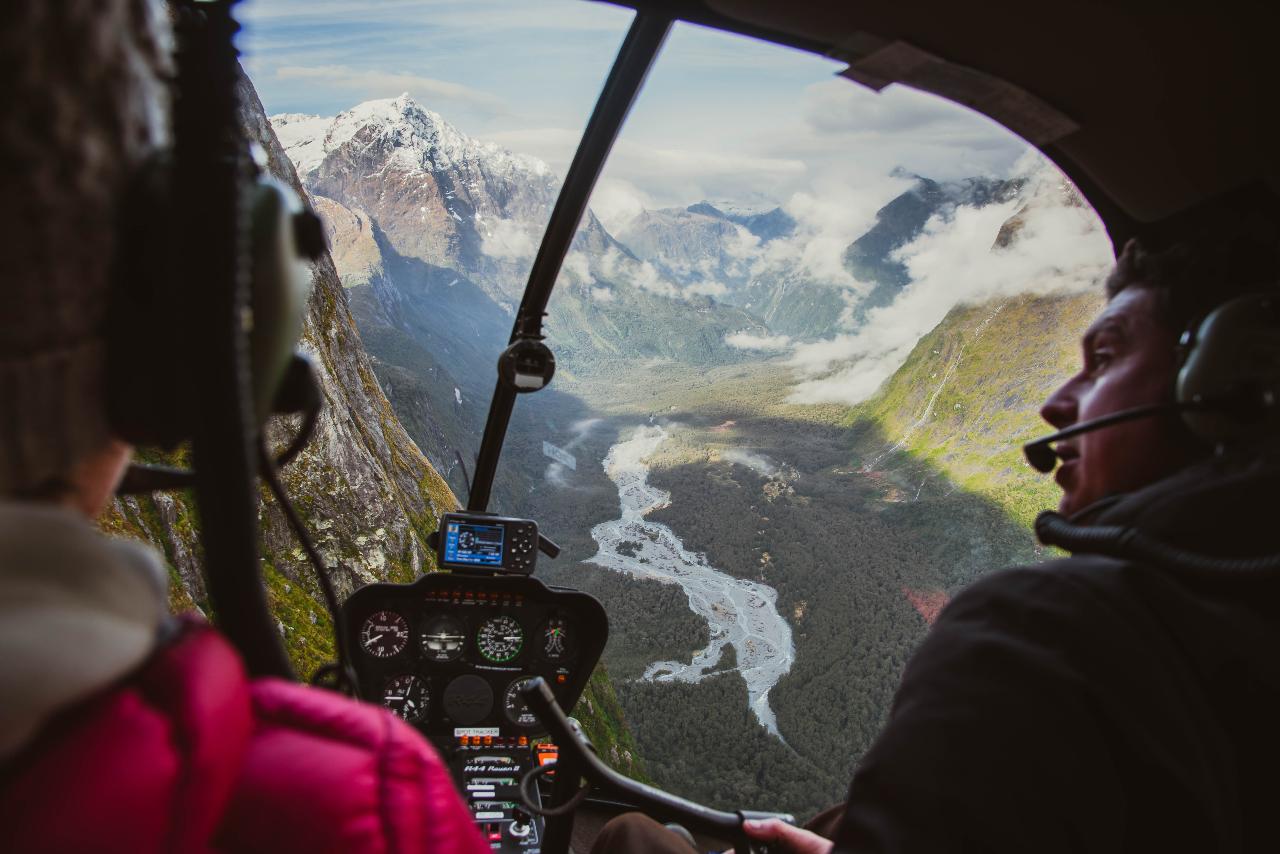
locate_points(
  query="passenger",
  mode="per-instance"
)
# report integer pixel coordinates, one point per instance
(1087, 704)
(122, 729)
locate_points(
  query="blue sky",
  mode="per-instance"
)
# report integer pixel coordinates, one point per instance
(720, 117)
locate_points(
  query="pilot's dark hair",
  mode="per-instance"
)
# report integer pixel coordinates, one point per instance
(1193, 277)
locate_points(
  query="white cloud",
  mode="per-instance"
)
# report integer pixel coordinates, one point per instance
(756, 462)
(1060, 246)
(747, 341)
(369, 83)
(602, 295)
(577, 265)
(706, 288)
(508, 240)
(745, 246)
(616, 203)
(827, 221)
(675, 175)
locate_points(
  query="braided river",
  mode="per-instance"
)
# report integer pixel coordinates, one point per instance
(739, 613)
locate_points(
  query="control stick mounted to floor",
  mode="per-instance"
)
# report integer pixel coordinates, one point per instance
(580, 761)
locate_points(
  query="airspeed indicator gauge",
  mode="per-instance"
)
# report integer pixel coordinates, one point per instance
(384, 634)
(407, 697)
(500, 639)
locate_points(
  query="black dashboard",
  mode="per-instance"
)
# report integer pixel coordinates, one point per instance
(447, 652)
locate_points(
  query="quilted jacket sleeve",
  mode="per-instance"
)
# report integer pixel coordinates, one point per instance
(327, 774)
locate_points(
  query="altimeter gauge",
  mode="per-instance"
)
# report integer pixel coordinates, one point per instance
(500, 639)
(514, 706)
(384, 634)
(408, 697)
(557, 639)
(443, 638)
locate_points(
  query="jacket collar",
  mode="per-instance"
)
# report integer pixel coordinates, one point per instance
(78, 610)
(1223, 506)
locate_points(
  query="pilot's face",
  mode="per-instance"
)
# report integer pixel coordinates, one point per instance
(1129, 360)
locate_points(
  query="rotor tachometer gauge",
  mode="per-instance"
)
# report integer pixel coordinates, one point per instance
(443, 638)
(500, 639)
(514, 707)
(557, 639)
(408, 697)
(384, 634)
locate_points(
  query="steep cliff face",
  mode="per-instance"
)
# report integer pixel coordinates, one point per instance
(367, 493)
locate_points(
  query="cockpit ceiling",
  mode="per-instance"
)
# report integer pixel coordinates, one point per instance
(1153, 109)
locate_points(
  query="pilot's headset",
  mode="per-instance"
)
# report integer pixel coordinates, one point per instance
(1229, 384)
(1228, 393)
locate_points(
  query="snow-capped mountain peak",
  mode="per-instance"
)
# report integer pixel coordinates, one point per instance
(415, 137)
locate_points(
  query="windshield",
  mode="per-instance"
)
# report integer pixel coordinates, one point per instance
(801, 334)
(432, 138)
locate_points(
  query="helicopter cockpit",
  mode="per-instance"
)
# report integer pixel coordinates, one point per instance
(489, 654)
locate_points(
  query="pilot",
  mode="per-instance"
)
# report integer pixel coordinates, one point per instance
(1089, 704)
(122, 729)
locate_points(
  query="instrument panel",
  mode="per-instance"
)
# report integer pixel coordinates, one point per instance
(448, 652)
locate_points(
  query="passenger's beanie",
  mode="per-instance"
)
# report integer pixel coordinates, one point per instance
(83, 103)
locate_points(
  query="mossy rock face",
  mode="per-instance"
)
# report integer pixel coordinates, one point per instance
(305, 626)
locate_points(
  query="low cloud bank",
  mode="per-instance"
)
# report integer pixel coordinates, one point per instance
(747, 341)
(1055, 244)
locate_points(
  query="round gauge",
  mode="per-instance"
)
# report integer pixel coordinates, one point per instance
(557, 639)
(514, 706)
(384, 634)
(408, 697)
(500, 639)
(443, 638)
(468, 700)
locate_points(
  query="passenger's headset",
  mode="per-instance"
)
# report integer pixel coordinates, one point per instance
(153, 324)
(1228, 382)
(149, 400)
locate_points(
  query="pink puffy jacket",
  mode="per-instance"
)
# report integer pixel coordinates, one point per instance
(188, 755)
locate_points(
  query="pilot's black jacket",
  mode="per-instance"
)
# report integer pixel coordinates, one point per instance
(1089, 704)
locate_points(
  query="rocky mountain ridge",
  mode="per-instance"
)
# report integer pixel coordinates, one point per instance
(438, 194)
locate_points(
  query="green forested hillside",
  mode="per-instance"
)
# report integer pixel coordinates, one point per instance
(968, 397)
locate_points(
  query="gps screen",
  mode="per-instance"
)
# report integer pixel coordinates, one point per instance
(473, 544)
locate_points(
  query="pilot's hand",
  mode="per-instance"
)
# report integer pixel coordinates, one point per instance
(784, 837)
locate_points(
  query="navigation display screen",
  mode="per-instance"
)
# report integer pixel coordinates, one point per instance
(478, 545)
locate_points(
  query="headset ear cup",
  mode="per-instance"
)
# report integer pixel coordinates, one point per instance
(281, 286)
(148, 403)
(1235, 355)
